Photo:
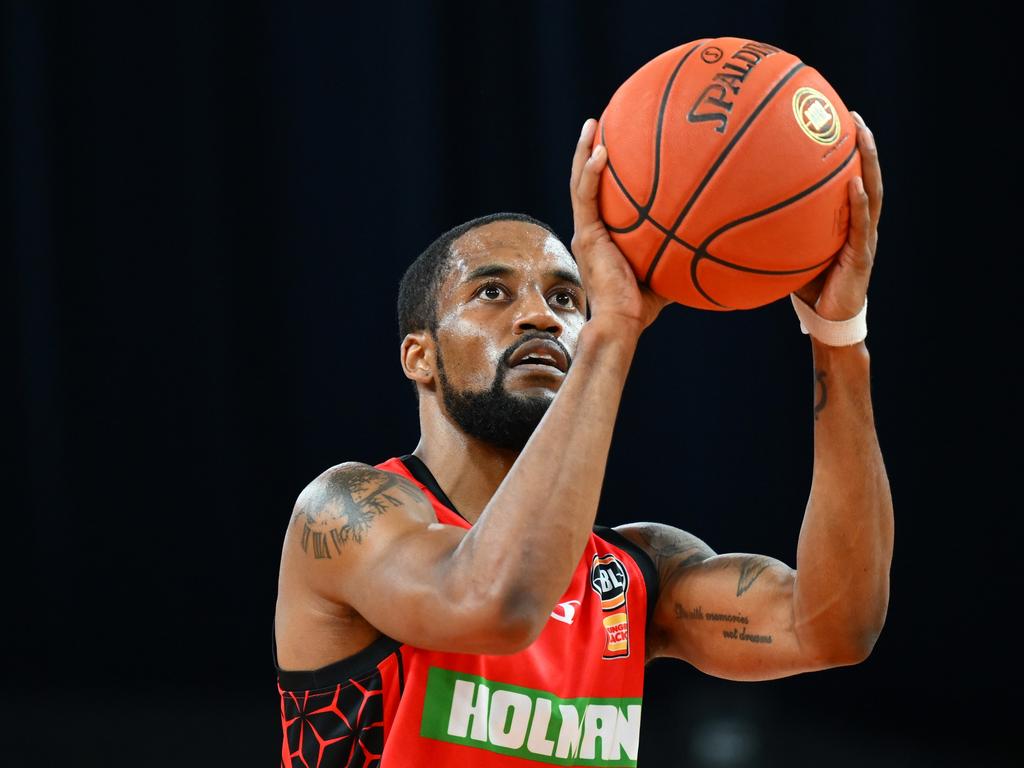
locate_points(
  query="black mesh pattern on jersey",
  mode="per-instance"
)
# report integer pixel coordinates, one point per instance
(339, 728)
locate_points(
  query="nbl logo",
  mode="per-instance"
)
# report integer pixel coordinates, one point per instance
(610, 580)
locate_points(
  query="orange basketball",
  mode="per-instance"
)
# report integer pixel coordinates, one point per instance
(728, 164)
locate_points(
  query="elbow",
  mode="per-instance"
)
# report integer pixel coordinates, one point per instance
(498, 623)
(864, 643)
(848, 656)
(505, 635)
(519, 622)
(854, 650)
(850, 639)
(513, 636)
(867, 643)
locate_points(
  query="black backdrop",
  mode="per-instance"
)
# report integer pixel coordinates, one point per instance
(209, 211)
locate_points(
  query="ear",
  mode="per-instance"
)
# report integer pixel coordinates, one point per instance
(418, 358)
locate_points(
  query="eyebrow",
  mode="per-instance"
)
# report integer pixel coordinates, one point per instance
(502, 270)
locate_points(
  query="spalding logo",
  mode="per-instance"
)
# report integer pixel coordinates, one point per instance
(713, 104)
(816, 115)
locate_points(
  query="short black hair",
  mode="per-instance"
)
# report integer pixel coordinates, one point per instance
(418, 289)
(417, 292)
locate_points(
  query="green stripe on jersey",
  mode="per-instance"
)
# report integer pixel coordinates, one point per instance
(527, 723)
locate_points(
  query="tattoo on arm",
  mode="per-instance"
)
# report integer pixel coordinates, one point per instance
(345, 504)
(819, 376)
(673, 550)
(734, 633)
(750, 568)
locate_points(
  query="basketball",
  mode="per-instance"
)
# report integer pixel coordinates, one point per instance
(728, 165)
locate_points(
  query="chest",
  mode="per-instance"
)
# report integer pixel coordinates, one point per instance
(593, 643)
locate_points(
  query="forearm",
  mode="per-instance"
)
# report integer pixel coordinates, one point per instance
(528, 541)
(846, 539)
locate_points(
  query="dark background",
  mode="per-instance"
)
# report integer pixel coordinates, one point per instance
(209, 212)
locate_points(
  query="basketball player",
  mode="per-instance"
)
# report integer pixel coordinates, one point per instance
(456, 606)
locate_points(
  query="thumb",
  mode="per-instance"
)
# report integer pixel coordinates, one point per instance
(812, 290)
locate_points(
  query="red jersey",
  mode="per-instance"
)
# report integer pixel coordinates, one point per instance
(572, 698)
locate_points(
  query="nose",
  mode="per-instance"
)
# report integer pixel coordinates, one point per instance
(536, 314)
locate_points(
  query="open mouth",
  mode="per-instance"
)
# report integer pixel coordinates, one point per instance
(535, 361)
(540, 355)
(542, 367)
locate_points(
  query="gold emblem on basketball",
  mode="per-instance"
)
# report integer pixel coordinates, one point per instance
(816, 115)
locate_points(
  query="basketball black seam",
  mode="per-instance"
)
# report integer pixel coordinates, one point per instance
(629, 197)
(718, 163)
(645, 209)
(776, 206)
(665, 231)
(702, 252)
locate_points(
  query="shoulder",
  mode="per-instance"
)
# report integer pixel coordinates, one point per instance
(344, 501)
(671, 549)
(353, 481)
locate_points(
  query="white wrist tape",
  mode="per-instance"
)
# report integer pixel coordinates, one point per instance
(834, 333)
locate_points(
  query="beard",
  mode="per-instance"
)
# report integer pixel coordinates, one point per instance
(494, 416)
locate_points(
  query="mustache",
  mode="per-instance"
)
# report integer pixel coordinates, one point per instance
(530, 336)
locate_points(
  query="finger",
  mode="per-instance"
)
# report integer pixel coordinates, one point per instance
(870, 168)
(582, 153)
(859, 237)
(811, 290)
(591, 176)
(585, 203)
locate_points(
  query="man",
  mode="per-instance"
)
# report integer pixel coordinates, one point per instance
(456, 605)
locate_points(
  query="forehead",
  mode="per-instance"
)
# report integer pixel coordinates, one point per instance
(527, 248)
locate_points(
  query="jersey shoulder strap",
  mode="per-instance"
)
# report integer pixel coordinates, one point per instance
(642, 560)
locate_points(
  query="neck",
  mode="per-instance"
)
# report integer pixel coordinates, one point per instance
(468, 470)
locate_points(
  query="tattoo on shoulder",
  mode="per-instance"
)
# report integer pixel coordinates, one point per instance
(345, 504)
(673, 550)
(750, 568)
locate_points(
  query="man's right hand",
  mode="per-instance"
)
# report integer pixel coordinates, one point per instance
(612, 288)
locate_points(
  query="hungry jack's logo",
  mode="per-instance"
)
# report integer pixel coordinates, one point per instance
(610, 580)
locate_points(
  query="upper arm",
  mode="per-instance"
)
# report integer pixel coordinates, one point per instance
(369, 539)
(730, 615)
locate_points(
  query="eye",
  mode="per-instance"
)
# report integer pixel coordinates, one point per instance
(489, 290)
(566, 298)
